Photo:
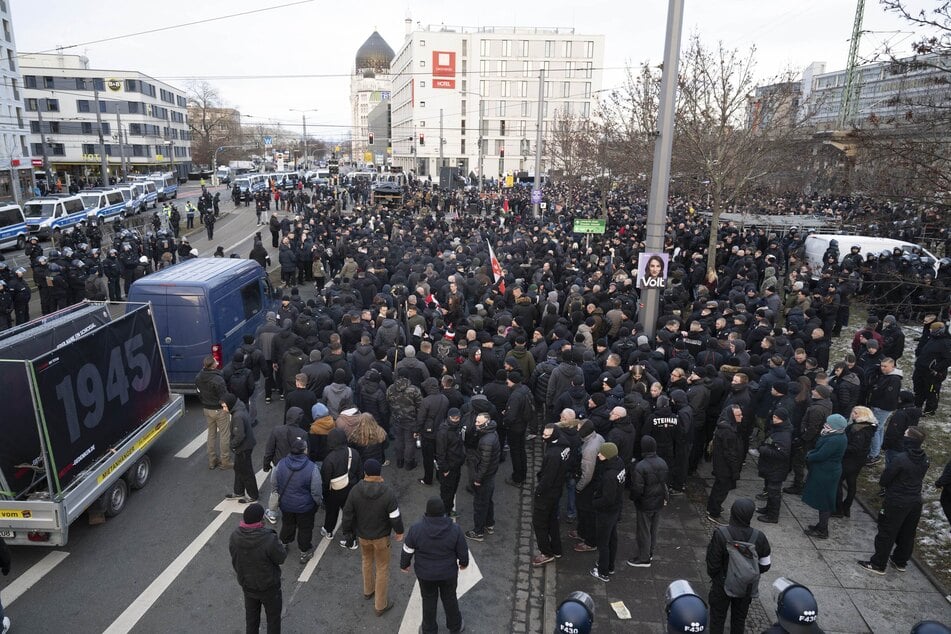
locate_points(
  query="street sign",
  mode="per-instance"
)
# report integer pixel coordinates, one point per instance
(536, 196)
(586, 225)
(267, 141)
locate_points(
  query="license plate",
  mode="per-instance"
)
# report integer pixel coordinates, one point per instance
(7, 534)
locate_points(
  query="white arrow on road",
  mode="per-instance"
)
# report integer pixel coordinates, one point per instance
(413, 617)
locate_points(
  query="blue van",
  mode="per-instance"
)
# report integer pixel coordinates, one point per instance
(13, 231)
(202, 307)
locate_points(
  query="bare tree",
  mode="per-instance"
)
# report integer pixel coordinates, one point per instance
(571, 146)
(729, 134)
(628, 117)
(211, 123)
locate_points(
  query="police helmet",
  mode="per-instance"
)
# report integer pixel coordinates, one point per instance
(575, 614)
(20, 271)
(82, 246)
(34, 239)
(94, 253)
(42, 260)
(144, 260)
(113, 252)
(77, 263)
(686, 611)
(885, 254)
(833, 243)
(126, 246)
(944, 262)
(855, 246)
(54, 254)
(796, 607)
(3, 266)
(55, 268)
(930, 627)
(67, 252)
(2, 283)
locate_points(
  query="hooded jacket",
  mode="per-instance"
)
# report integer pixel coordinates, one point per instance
(450, 450)
(907, 415)
(847, 392)
(776, 451)
(281, 437)
(371, 511)
(437, 546)
(432, 409)
(727, 450)
(859, 439)
(488, 452)
(404, 399)
(297, 480)
(902, 479)
(519, 409)
(813, 420)
(884, 393)
(550, 479)
(649, 480)
(371, 398)
(337, 397)
(624, 436)
(561, 379)
(242, 435)
(609, 486)
(256, 556)
(739, 529)
(211, 388)
(335, 464)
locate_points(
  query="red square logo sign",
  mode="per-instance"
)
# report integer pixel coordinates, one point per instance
(444, 64)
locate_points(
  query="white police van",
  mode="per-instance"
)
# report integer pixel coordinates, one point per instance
(144, 193)
(105, 204)
(45, 213)
(166, 185)
(13, 231)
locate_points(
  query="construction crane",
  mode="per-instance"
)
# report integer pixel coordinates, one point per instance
(850, 92)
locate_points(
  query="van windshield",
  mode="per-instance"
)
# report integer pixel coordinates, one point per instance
(37, 209)
(126, 194)
(90, 201)
(243, 183)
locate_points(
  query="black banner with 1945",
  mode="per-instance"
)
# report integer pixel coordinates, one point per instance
(99, 389)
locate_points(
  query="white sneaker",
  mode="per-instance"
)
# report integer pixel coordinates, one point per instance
(326, 535)
(270, 516)
(6, 625)
(754, 453)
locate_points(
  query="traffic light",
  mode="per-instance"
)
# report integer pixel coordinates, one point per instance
(422, 139)
(371, 138)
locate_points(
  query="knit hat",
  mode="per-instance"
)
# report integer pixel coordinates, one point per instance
(890, 319)
(648, 444)
(608, 450)
(340, 375)
(836, 422)
(599, 398)
(372, 467)
(253, 513)
(824, 391)
(915, 435)
(272, 316)
(409, 351)
(299, 446)
(515, 376)
(782, 414)
(230, 400)
(435, 507)
(315, 355)
(781, 387)
(319, 410)
(453, 412)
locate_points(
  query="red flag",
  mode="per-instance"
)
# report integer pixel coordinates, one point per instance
(505, 204)
(496, 268)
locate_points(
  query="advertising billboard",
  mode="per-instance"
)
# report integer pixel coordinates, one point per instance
(444, 69)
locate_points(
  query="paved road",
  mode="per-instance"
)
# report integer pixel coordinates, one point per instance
(163, 564)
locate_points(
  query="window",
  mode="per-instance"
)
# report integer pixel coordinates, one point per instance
(483, 67)
(86, 127)
(465, 47)
(546, 66)
(131, 85)
(34, 127)
(549, 48)
(422, 104)
(422, 42)
(82, 105)
(80, 83)
(524, 48)
(463, 108)
(99, 83)
(588, 67)
(31, 104)
(422, 124)
(464, 82)
(566, 48)
(589, 49)
(422, 63)
(462, 146)
(526, 71)
(140, 151)
(52, 105)
(462, 127)
(482, 89)
(251, 299)
(568, 70)
(566, 89)
(135, 129)
(133, 107)
(501, 109)
(464, 67)
(29, 81)
(505, 88)
(502, 68)
(586, 109)
(548, 89)
(506, 48)
(484, 48)
(47, 82)
(587, 90)
(502, 127)
(524, 108)
(499, 147)
(521, 128)
(523, 89)
(53, 149)
(422, 84)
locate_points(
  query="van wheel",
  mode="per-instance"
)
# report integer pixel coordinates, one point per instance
(138, 475)
(21, 243)
(116, 498)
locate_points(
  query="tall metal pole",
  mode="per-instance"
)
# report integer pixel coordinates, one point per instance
(46, 159)
(538, 139)
(440, 141)
(103, 160)
(660, 177)
(122, 164)
(304, 121)
(481, 148)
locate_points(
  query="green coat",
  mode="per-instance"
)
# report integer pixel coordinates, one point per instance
(825, 469)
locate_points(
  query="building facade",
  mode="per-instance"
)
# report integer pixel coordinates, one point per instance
(370, 85)
(16, 171)
(144, 122)
(474, 83)
(379, 125)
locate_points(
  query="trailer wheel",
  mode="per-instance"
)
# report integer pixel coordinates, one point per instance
(116, 497)
(138, 475)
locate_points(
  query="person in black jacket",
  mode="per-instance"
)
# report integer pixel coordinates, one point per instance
(518, 412)
(649, 494)
(907, 415)
(859, 436)
(550, 481)
(901, 509)
(608, 498)
(440, 551)
(624, 436)
(727, 458)
(256, 556)
(342, 464)
(211, 389)
(739, 529)
(773, 465)
(430, 415)
(488, 449)
(450, 456)
(931, 367)
(944, 483)
(242, 443)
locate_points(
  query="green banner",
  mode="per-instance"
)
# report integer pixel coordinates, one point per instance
(589, 225)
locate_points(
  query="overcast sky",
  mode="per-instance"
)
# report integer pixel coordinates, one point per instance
(237, 54)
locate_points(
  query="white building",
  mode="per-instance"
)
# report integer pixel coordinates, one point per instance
(369, 86)
(460, 75)
(16, 172)
(151, 116)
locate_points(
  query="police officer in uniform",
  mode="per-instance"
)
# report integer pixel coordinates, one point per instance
(21, 296)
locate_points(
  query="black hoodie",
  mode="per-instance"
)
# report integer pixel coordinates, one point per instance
(740, 530)
(649, 480)
(554, 469)
(902, 479)
(610, 476)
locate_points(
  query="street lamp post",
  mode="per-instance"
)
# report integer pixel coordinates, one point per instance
(303, 117)
(481, 140)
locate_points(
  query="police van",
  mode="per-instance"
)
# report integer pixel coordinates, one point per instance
(13, 231)
(166, 185)
(144, 192)
(251, 184)
(105, 204)
(45, 213)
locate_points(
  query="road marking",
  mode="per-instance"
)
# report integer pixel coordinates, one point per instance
(413, 616)
(193, 446)
(143, 603)
(30, 578)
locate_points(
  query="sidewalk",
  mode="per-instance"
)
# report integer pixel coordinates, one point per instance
(850, 599)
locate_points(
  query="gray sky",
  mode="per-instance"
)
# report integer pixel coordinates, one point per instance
(321, 38)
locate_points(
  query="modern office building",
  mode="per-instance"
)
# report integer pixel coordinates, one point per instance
(369, 86)
(144, 122)
(16, 171)
(379, 126)
(484, 82)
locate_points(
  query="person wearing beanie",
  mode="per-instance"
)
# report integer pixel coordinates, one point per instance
(415, 369)
(338, 396)
(893, 338)
(932, 359)
(517, 414)
(297, 480)
(450, 456)
(371, 513)
(438, 548)
(256, 556)
(606, 502)
(586, 533)
(279, 445)
(774, 462)
(242, 443)
(649, 494)
(825, 470)
(902, 482)
(907, 415)
(264, 341)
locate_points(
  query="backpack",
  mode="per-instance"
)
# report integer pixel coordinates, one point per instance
(742, 571)
(580, 405)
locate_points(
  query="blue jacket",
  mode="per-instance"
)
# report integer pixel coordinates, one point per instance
(297, 481)
(439, 547)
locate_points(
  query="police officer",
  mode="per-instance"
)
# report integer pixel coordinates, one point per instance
(796, 609)
(59, 287)
(209, 220)
(6, 306)
(175, 221)
(21, 296)
(113, 272)
(189, 216)
(33, 249)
